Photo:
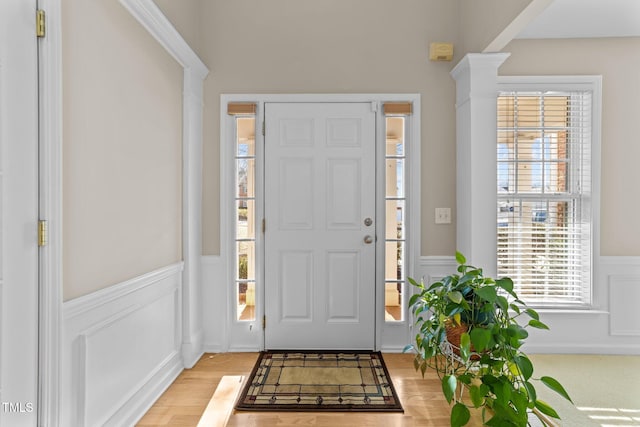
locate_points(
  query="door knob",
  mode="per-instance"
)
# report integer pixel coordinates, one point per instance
(368, 239)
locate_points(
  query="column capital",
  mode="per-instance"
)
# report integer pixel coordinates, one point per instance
(476, 76)
(477, 61)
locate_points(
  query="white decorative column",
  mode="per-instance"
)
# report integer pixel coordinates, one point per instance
(192, 328)
(476, 165)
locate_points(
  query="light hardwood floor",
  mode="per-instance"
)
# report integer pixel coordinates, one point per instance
(185, 400)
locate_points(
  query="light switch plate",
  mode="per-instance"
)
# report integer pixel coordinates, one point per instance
(443, 215)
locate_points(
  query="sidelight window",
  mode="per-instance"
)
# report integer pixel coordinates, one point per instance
(395, 212)
(245, 218)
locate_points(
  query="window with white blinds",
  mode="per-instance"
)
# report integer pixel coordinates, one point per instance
(544, 218)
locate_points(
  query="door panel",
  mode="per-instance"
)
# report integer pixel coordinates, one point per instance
(296, 197)
(343, 194)
(296, 287)
(342, 272)
(319, 188)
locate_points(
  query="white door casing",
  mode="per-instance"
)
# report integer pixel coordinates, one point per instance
(19, 214)
(320, 274)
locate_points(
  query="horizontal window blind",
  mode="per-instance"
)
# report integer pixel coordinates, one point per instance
(543, 186)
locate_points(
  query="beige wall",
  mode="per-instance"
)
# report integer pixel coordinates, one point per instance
(122, 137)
(481, 21)
(618, 61)
(335, 46)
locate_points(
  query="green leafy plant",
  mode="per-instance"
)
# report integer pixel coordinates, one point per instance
(470, 333)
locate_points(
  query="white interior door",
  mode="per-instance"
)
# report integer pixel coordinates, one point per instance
(19, 214)
(320, 226)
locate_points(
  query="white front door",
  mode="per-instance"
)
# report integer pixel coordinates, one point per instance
(320, 226)
(19, 214)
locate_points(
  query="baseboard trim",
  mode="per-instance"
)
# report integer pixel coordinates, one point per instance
(192, 351)
(237, 349)
(214, 348)
(392, 349)
(630, 350)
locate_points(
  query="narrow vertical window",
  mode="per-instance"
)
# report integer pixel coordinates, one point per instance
(395, 231)
(245, 218)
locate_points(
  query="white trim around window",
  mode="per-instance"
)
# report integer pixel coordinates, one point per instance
(591, 297)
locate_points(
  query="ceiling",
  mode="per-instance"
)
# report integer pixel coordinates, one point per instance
(585, 18)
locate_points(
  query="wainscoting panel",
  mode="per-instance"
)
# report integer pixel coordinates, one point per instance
(121, 349)
(624, 296)
(434, 268)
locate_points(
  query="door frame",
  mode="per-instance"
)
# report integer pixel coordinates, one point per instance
(249, 335)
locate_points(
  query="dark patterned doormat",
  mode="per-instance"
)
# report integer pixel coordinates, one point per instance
(319, 381)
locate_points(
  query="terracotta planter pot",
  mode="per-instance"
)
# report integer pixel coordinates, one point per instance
(454, 331)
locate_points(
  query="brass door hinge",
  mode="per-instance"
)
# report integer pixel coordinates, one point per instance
(43, 233)
(40, 23)
(264, 322)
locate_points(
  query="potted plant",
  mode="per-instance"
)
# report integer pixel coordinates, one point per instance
(469, 332)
